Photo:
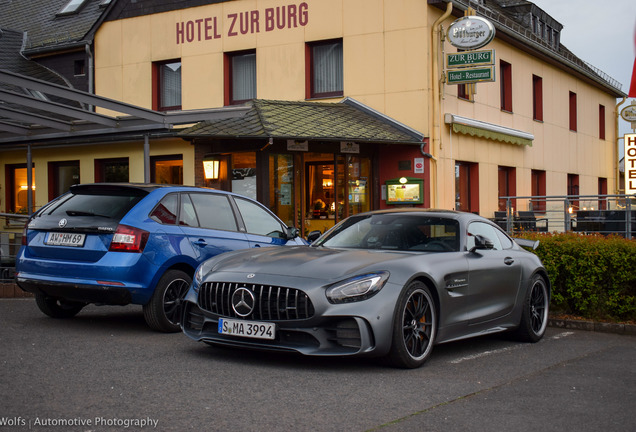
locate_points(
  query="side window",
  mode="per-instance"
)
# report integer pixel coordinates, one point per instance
(506, 243)
(214, 211)
(166, 211)
(258, 220)
(187, 215)
(485, 230)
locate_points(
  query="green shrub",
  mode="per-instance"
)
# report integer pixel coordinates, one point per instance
(592, 276)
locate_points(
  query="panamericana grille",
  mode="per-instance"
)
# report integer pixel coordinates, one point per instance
(273, 303)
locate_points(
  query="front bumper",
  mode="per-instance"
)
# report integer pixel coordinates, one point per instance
(362, 328)
(330, 336)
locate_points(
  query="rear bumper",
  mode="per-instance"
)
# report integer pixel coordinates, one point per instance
(77, 292)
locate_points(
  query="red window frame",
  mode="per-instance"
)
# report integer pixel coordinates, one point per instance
(537, 98)
(310, 92)
(157, 79)
(228, 74)
(573, 113)
(538, 188)
(601, 122)
(505, 70)
(467, 186)
(507, 185)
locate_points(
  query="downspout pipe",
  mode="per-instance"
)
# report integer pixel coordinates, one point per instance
(146, 158)
(91, 77)
(436, 96)
(30, 208)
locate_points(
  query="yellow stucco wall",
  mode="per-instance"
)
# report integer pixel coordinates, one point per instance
(380, 68)
(86, 156)
(387, 65)
(555, 149)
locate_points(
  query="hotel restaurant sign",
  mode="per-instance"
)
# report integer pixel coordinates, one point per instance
(630, 164)
(468, 34)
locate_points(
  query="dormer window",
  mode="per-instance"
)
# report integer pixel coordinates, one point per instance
(72, 7)
(104, 3)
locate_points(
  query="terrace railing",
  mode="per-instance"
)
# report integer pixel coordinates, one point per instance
(603, 214)
(9, 245)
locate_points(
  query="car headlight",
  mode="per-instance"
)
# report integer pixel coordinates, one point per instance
(198, 278)
(358, 288)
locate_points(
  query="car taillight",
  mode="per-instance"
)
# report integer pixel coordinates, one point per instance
(128, 239)
(25, 231)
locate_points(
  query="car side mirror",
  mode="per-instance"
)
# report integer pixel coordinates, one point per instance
(313, 236)
(481, 243)
(292, 233)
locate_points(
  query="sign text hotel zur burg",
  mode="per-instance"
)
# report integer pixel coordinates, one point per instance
(242, 23)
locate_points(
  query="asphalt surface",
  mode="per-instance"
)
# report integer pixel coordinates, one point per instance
(106, 371)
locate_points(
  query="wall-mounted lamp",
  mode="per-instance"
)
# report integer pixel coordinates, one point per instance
(211, 169)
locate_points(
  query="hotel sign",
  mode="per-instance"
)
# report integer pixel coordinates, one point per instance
(470, 58)
(630, 164)
(471, 32)
(471, 75)
(206, 28)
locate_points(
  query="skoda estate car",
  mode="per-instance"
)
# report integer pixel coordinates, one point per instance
(116, 244)
(389, 283)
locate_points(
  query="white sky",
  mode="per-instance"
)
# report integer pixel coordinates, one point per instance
(601, 32)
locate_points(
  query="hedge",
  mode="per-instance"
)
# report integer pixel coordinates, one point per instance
(592, 276)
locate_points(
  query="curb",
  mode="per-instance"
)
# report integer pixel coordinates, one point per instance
(623, 329)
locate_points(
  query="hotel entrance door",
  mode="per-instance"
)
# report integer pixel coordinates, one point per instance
(314, 191)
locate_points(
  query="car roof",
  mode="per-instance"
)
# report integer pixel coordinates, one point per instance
(451, 214)
(144, 187)
(436, 212)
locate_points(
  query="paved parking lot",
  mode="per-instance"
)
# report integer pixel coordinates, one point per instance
(106, 371)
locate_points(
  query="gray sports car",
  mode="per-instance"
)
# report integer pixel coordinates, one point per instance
(390, 283)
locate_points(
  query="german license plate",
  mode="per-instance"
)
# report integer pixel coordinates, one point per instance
(65, 239)
(249, 329)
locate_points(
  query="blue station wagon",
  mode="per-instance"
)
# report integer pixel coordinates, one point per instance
(117, 244)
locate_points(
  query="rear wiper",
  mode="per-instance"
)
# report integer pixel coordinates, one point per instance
(84, 213)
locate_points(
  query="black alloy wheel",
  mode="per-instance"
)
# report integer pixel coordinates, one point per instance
(534, 316)
(163, 312)
(415, 327)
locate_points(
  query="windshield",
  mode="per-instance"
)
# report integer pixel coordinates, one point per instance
(403, 232)
(113, 205)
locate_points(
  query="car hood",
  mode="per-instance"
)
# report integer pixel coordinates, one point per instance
(302, 261)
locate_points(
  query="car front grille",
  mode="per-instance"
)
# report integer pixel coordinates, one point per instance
(272, 303)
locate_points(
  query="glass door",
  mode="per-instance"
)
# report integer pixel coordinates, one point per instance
(281, 187)
(320, 197)
(314, 191)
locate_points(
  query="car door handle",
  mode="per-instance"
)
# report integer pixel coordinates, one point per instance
(508, 261)
(200, 243)
(256, 245)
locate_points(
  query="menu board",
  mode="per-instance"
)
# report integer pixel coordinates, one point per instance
(404, 193)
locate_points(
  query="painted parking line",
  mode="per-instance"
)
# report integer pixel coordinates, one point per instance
(507, 349)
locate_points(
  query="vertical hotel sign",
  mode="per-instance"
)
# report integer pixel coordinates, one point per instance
(630, 164)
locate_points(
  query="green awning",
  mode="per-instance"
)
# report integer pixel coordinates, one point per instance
(490, 131)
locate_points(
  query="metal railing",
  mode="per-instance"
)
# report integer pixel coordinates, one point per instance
(603, 214)
(9, 245)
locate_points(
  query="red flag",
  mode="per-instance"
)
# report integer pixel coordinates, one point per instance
(632, 86)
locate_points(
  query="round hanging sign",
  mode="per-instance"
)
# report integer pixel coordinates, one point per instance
(471, 32)
(629, 113)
